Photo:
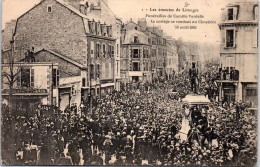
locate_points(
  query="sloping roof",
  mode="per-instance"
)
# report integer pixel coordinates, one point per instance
(76, 11)
(63, 57)
(71, 8)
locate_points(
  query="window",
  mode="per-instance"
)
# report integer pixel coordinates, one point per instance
(98, 50)
(26, 78)
(112, 51)
(135, 53)
(104, 50)
(55, 77)
(117, 49)
(145, 53)
(230, 63)
(83, 82)
(153, 41)
(136, 66)
(32, 78)
(90, 27)
(91, 71)
(49, 8)
(146, 66)
(94, 28)
(136, 39)
(98, 28)
(104, 30)
(92, 49)
(109, 31)
(135, 28)
(97, 71)
(230, 14)
(230, 34)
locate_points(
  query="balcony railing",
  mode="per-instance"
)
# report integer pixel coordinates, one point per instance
(232, 75)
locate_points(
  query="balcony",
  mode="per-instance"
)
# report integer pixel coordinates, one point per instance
(135, 73)
(228, 76)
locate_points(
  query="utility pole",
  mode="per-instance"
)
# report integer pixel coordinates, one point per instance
(51, 95)
(90, 105)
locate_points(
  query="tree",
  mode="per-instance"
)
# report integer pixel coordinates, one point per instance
(10, 72)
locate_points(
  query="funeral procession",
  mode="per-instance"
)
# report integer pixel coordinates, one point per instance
(99, 83)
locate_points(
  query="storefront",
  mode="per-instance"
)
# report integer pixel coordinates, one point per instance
(227, 90)
(64, 97)
(26, 99)
(249, 93)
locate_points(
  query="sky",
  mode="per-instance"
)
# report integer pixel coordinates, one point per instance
(126, 9)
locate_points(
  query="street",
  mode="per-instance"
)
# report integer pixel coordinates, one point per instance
(135, 127)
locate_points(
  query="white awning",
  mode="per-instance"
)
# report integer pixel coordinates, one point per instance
(196, 99)
(107, 85)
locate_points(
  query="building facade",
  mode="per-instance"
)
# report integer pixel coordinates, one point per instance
(88, 39)
(171, 58)
(34, 84)
(135, 57)
(239, 52)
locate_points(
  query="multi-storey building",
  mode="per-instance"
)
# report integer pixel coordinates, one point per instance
(85, 32)
(239, 52)
(100, 12)
(72, 83)
(171, 58)
(31, 84)
(145, 55)
(135, 57)
(159, 52)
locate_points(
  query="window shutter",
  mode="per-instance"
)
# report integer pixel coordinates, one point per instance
(96, 27)
(97, 50)
(227, 61)
(223, 38)
(100, 50)
(235, 13)
(32, 78)
(254, 38)
(109, 51)
(232, 62)
(224, 15)
(58, 77)
(113, 50)
(256, 13)
(90, 27)
(234, 38)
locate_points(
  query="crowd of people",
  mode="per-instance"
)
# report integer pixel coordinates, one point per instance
(132, 127)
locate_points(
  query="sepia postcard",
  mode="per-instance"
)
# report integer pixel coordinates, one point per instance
(129, 83)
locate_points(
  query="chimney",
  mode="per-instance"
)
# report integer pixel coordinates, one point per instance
(142, 23)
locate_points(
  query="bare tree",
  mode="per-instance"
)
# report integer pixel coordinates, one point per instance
(10, 72)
